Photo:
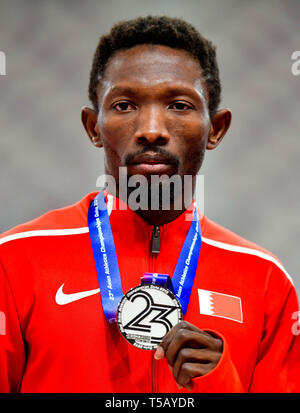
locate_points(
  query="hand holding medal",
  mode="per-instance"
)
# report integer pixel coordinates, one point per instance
(190, 353)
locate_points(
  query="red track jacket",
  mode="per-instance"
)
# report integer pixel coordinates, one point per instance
(54, 336)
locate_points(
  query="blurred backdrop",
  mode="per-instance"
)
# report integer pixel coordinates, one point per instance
(47, 161)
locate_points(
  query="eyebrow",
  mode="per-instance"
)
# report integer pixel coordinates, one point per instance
(168, 91)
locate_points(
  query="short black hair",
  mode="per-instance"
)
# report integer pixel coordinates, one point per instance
(162, 30)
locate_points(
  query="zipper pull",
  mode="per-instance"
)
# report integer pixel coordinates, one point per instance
(155, 241)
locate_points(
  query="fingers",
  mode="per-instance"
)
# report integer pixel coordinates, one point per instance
(160, 353)
(184, 339)
(185, 335)
(163, 346)
(192, 363)
(193, 356)
(190, 352)
(188, 371)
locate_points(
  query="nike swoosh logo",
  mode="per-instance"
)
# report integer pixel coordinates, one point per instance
(61, 298)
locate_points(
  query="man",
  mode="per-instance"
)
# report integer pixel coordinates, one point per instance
(155, 92)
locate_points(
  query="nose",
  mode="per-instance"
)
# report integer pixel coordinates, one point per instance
(151, 126)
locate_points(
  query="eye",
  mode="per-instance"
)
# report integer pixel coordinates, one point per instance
(124, 106)
(180, 106)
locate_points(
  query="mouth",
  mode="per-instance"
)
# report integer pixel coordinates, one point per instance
(151, 163)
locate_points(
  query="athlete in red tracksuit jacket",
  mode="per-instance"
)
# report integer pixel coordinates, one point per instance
(54, 341)
(155, 113)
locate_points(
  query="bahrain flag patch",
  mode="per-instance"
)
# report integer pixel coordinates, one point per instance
(220, 305)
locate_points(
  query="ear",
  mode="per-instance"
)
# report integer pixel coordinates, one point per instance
(219, 126)
(89, 120)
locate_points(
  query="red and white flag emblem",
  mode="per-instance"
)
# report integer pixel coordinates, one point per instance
(220, 305)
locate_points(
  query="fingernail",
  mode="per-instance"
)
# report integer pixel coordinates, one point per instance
(179, 386)
(159, 354)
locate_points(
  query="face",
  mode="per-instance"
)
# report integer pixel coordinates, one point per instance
(153, 113)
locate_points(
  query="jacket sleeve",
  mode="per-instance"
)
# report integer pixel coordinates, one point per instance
(278, 358)
(223, 378)
(12, 354)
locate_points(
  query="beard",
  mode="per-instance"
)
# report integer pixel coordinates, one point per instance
(160, 192)
(154, 192)
(157, 194)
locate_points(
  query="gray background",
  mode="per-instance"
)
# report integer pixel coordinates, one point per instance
(251, 180)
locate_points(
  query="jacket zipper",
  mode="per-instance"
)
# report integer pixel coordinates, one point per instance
(155, 250)
(155, 241)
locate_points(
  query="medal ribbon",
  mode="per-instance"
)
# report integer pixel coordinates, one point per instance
(105, 257)
(163, 280)
(106, 261)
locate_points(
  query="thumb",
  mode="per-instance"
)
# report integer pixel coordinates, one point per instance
(160, 353)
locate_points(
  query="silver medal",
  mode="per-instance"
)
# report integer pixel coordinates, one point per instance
(146, 314)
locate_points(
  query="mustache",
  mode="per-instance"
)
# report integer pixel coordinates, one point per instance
(172, 159)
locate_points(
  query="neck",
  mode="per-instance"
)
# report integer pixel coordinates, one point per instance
(159, 216)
